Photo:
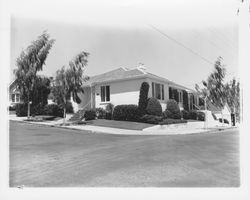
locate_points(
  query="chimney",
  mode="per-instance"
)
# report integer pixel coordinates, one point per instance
(141, 67)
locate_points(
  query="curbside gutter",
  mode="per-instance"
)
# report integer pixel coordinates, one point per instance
(117, 131)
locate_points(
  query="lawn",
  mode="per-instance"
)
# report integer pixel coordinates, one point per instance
(120, 124)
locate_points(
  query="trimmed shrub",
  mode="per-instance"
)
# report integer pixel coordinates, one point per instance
(151, 119)
(100, 113)
(154, 107)
(143, 98)
(69, 107)
(128, 112)
(53, 110)
(193, 114)
(185, 114)
(21, 110)
(109, 111)
(90, 114)
(172, 110)
(172, 121)
(201, 116)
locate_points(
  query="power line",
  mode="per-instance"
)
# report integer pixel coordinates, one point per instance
(179, 43)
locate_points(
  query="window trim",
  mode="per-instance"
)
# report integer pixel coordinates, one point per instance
(161, 90)
(104, 90)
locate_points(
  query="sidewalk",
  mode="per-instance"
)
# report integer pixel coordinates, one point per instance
(155, 130)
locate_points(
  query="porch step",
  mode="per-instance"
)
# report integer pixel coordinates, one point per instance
(77, 116)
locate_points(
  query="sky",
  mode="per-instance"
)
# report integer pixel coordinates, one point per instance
(191, 36)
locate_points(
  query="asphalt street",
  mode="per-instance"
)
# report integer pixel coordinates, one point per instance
(43, 156)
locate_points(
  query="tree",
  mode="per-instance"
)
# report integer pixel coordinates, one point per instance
(214, 86)
(76, 74)
(29, 63)
(143, 98)
(61, 89)
(69, 81)
(232, 96)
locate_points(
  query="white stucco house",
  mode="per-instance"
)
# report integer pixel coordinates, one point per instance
(122, 86)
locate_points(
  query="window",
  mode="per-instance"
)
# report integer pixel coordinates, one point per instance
(105, 93)
(158, 91)
(180, 97)
(13, 98)
(17, 98)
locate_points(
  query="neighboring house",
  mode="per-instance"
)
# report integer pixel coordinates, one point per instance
(14, 94)
(122, 86)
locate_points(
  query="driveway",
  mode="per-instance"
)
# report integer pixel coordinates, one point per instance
(54, 157)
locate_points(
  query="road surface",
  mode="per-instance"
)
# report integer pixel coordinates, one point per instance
(54, 157)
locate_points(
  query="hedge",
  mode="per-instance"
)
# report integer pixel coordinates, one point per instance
(172, 121)
(151, 119)
(100, 113)
(90, 114)
(129, 112)
(154, 107)
(52, 110)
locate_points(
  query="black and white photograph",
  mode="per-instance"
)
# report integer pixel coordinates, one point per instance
(124, 94)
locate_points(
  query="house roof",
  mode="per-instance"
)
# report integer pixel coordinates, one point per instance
(125, 73)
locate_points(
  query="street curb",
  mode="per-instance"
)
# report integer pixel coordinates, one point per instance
(216, 130)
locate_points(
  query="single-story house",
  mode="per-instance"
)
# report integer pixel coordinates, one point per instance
(122, 86)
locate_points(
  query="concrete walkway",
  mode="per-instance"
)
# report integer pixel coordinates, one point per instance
(191, 128)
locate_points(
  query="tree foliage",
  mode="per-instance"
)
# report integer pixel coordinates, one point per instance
(76, 75)
(30, 61)
(41, 91)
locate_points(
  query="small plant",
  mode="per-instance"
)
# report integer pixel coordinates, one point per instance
(154, 107)
(90, 114)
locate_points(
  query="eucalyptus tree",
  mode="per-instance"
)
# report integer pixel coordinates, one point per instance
(30, 61)
(69, 81)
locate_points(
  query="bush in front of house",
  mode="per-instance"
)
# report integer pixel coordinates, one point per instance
(151, 119)
(90, 114)
(127, 112)
(193, 114)
(185, 114)
(21, 110)
(143, 98)
(200, 116)
(69, 107)
(154, 107)
(173, 110)
(53, 110)
(100, 113)
(109, 111)
(172, 121)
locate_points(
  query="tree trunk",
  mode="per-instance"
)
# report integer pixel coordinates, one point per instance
(28, 113)
(64, 115)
